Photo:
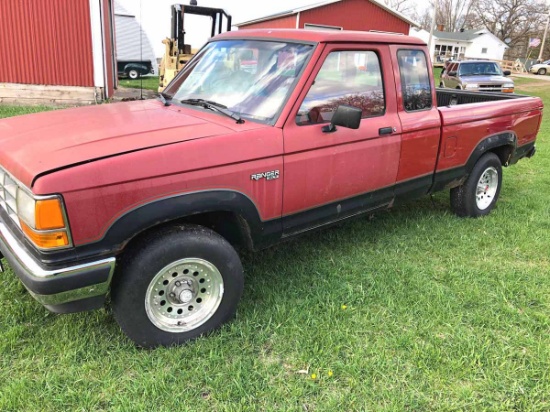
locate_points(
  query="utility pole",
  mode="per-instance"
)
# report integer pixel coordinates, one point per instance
(432, 28)
(544, 38)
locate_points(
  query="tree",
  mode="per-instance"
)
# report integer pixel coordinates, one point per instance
(402, 6)
(423, 18)
(512, 21)
(453, 15)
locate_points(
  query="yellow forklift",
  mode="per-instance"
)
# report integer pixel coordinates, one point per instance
(177, 53)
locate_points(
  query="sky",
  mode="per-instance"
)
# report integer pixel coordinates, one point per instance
(155, 16)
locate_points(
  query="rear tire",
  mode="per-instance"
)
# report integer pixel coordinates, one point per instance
(176, 285)
(479, 194)
(133, 74)
(542, 72)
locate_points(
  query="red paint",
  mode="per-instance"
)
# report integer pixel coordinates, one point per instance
(354, 15)
(46, 42)
(469, 123)
(111, 79)
(360, 15)
(128, 154)
(286, 22)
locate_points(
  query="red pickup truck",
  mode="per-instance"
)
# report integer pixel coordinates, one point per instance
(148, 201)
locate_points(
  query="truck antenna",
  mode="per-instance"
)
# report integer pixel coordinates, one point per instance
(140, 50)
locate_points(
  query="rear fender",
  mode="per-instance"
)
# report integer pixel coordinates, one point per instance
(503, 144)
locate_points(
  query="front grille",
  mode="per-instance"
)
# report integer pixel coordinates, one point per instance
(490, 87)
(8, 195)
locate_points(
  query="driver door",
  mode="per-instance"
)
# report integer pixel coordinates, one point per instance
(332, 176)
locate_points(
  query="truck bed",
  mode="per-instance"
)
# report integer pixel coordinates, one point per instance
(453, 97)
(467, 118)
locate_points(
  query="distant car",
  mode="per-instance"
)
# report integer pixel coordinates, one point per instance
(483, 76)
(540, 68)
(134, 69)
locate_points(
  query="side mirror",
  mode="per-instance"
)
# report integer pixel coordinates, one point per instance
(507, 72)
(345, 116)
(452, 74)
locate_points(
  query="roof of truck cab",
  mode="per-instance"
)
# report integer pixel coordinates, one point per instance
(321, 36)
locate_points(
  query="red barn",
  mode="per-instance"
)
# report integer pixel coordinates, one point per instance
(56, 51)
(363, 15)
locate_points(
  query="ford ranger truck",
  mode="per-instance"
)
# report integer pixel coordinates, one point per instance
(148, 201)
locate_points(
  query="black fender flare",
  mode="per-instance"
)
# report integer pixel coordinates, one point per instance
(142, 69)
(504, 139)
(172, 208)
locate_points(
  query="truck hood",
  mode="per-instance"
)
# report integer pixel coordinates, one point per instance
(35, 144)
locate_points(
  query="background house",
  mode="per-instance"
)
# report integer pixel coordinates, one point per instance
(132, 43)
(361, 15)
(465, 44)
(56, 51)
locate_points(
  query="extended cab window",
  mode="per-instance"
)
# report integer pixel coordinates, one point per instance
(351, 78)
(415, 80)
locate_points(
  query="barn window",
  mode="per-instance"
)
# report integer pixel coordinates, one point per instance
(351, 78)
(415, 80)
(484, 50)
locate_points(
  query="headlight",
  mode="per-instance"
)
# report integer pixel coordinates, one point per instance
(472, 86)
(508, 88)
(43, 220)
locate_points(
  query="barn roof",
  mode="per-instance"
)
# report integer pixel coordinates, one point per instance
(325, 3)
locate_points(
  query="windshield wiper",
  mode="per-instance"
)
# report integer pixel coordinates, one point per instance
(164, 98)
(216, 107)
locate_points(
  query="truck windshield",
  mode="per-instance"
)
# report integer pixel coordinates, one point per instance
(251, 78)
(479, 69)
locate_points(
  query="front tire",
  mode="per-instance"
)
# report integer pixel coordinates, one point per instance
(176, 285)
(479, 194)
(542, 72)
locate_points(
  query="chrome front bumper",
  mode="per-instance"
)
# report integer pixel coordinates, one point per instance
(67, 289)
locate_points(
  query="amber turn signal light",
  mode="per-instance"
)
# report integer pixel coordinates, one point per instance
(49, 214)
(46, 240)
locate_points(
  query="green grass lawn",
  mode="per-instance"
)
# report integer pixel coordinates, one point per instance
(413, 310)
(149, 83)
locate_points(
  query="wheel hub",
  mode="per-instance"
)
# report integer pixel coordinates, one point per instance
(184, 295)
(487, 187)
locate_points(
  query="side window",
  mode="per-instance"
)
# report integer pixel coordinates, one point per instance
(351, 78)
(415, 80)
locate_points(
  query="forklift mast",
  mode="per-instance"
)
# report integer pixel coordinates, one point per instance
(178, 30)
(177, 53)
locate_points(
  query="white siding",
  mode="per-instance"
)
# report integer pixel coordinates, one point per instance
(128, 32)
(495, 48)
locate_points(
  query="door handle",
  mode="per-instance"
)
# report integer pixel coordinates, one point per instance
(386, 130)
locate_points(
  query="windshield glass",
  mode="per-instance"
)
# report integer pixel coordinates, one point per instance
(479, 69)
(252, 78)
